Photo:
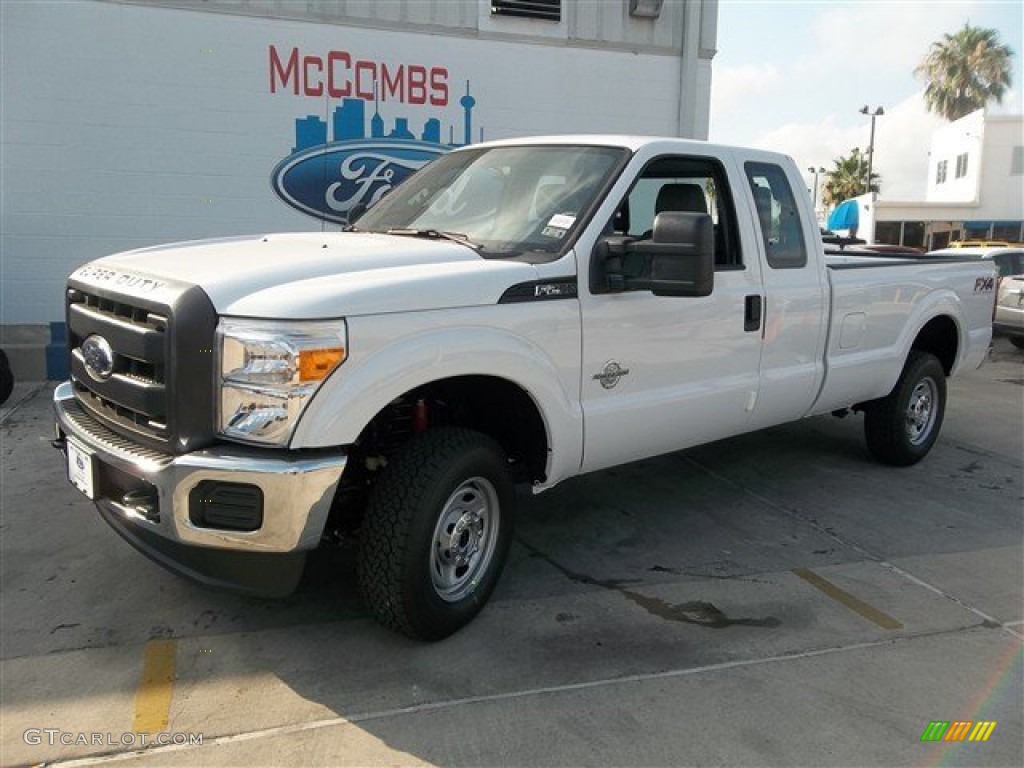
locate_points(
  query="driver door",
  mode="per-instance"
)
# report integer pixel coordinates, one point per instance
(663, 373)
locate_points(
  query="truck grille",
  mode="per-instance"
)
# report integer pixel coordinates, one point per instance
(134, 396)
(154, 381)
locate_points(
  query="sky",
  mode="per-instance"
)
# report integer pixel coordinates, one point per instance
(792, 76)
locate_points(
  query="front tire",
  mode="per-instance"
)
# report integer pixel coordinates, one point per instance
(902, 427)
(436, 532)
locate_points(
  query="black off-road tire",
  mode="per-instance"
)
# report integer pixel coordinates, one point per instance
(1017, 341)
(902, 427)
(413, 505)
(6, 378)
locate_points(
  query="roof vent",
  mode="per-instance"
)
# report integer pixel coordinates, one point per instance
(648, 9)
(549, 10)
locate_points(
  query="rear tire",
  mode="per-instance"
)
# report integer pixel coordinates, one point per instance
(436, 532)
(902, 427)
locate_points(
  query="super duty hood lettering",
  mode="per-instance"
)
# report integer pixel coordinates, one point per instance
(122, 281)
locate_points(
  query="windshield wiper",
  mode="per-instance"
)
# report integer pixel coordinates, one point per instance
(435, 234)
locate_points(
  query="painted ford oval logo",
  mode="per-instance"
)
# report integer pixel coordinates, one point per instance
(329, 180)
(99, 357)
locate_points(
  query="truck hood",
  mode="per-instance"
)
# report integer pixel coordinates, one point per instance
(315, 275)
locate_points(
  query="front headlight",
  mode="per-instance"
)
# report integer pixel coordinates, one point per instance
(269, 370)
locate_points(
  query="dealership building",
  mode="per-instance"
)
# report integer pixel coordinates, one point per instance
(128, 124)
(975, 189)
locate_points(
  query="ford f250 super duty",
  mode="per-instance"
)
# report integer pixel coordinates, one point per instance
(516, 312)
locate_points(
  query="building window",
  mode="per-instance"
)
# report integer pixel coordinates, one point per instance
(913, 233)
(940, 172)
(1008, 231)
(888, 232)
(961, 165)
(551, 10)
(1017, 162)
(939, 240)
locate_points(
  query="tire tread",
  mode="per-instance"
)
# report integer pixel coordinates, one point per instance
(390, 513)
(883, 418)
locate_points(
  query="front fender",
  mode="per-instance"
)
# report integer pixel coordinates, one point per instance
(539, 353)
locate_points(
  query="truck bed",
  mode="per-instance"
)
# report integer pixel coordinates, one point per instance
(880, 304)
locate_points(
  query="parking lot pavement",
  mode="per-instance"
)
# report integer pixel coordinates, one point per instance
(774, 599)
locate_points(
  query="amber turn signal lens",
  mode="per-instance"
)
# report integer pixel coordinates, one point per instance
(315, 364)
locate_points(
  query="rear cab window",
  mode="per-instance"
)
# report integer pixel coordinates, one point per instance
(777, 215)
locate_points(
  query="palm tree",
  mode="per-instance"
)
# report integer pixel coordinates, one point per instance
(965, 71)
(846, 180)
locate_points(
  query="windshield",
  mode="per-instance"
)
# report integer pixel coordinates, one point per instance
(503, 201)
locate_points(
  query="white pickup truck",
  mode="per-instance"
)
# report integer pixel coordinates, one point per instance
(516, 312)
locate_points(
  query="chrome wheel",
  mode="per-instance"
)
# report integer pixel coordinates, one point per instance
(902, 427)
(464, 539)
(921, 411)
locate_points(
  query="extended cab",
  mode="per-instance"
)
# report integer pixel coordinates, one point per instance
(515, 312)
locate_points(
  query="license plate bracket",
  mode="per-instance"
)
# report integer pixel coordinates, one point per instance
(81, 472)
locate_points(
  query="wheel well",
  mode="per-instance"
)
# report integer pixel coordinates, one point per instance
(939, 337)
(493, 406)
(488, 404)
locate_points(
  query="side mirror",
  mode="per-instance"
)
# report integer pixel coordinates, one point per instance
(678, 260)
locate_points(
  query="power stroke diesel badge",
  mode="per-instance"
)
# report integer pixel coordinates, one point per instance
(611, 374)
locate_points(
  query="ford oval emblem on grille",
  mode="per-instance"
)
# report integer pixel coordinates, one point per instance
(99, 357)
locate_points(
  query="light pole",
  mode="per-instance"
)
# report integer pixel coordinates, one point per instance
(871, 142)
(815, 171)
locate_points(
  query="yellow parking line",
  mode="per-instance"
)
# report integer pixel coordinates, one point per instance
(153, 697)
(869, 612)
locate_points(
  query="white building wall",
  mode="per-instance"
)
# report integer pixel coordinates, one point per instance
(126, 125)
(985, 203)
(1002, 191)
(587, 22)
(963, 137)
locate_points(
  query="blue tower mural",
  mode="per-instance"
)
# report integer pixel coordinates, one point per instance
(401, 130)
(309, 132)
(348, 123)
(432, 131)
(350, 120)
(467, 102)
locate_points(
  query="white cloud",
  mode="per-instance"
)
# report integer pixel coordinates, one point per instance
(1011, 104)
(902, 138)
(878, 38)
(791, 77)
(732, 85)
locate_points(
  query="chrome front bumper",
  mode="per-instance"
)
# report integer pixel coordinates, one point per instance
(150, 503)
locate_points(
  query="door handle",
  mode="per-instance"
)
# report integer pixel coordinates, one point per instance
(752, 313)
